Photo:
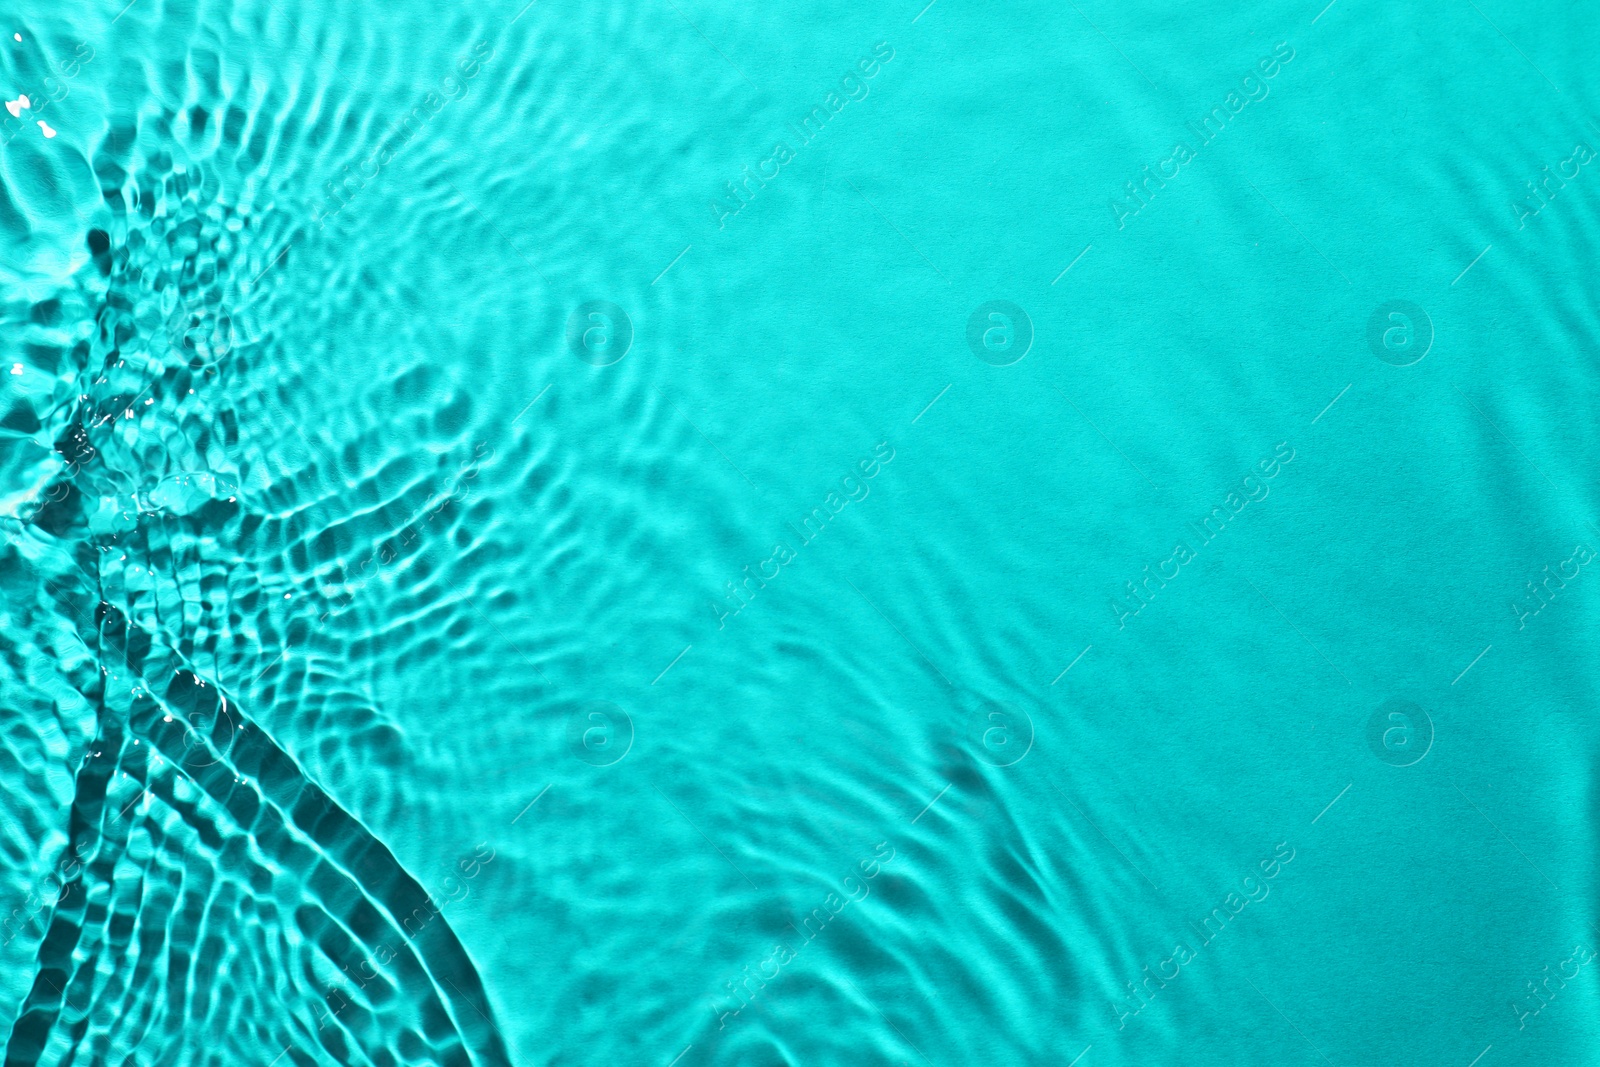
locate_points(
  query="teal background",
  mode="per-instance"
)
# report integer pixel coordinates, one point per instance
(335, 562)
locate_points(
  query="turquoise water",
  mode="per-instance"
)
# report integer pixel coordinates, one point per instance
(688, 533)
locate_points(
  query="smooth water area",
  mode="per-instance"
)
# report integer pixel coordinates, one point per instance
(690, 533)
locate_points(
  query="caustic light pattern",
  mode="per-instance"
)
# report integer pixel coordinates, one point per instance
(707, 534)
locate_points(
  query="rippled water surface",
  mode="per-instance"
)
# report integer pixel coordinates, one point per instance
(694, 533)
